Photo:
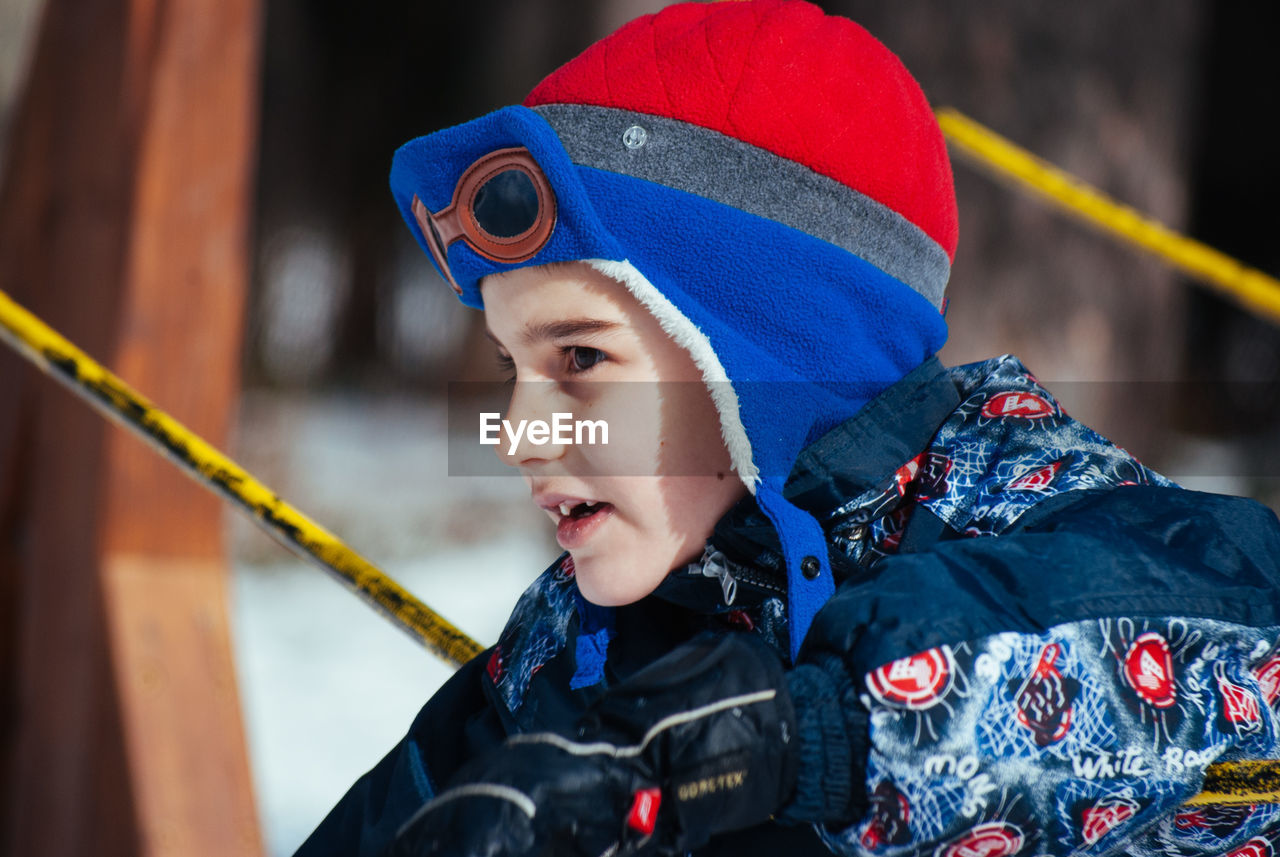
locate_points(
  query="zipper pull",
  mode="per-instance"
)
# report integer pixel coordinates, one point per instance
(715, 565)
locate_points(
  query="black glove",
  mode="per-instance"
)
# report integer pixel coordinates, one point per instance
(697, 743)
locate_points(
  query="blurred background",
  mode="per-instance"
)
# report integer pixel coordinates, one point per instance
(196, 193)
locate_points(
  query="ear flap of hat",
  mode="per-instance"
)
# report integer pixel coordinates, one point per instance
(804, 548)
(809, 577)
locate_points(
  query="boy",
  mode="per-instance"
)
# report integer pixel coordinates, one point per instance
(933, 614)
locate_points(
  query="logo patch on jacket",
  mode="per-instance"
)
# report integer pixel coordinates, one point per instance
(1039, 479)
(1241, 706)
(1267, 674)
(1021, 405)
(1106, 815)
(916, 682)
(1148, 668)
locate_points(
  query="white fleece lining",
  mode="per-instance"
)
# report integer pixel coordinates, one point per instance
(687, 335)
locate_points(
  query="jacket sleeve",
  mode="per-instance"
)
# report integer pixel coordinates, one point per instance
(456, 723)
(1060, 689)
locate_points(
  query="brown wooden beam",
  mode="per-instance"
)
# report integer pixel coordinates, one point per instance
(123, 222)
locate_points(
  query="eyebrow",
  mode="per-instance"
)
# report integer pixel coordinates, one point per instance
(560, 329)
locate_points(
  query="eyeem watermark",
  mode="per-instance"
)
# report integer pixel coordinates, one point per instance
(563, 430)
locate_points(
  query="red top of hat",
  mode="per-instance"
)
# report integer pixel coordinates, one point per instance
(783, 76)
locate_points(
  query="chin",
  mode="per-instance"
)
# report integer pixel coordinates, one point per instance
(613, 584)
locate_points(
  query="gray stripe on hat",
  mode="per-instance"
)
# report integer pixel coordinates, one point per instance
(676, 154)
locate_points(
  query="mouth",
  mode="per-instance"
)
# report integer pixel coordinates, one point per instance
(583, 509)
(576, 519)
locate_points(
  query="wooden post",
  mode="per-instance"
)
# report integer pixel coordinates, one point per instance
(124, 223)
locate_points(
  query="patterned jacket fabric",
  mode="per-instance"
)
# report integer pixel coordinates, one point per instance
(1037, 645)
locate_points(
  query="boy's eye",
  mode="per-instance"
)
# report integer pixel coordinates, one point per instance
(506, 365)
(582, 358)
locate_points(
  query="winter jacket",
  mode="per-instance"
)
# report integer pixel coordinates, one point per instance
(1037, 645)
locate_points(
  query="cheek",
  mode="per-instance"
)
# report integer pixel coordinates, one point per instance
(695, 504)
(656, 429)
(632, 412)
(662, 524)
(667, 472)
(647, 539)
(692, 444)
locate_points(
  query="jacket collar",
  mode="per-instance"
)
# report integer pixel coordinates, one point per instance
(866, 449)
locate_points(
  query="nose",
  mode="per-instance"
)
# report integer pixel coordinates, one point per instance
(528, 434)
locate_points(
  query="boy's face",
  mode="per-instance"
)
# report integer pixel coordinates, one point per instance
(578, 342)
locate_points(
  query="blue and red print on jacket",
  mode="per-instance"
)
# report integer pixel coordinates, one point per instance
(1069, 742)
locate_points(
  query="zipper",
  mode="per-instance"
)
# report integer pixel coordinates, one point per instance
(714, 564)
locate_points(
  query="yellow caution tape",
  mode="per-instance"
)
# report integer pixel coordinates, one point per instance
(113, 398)
(1249, 287)
(1242, 782)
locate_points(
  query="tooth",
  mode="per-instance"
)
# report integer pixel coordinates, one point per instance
(565, 509)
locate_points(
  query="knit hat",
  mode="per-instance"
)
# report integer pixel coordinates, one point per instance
(767, 180)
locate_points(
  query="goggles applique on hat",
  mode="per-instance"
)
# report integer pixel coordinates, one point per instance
(494, 194)
(792, 331)
(503, 207)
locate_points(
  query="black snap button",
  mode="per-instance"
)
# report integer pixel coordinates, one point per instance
(809, 565)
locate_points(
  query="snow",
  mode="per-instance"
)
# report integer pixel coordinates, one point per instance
(328, 685)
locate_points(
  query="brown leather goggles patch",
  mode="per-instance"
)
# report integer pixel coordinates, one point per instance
(503, 208)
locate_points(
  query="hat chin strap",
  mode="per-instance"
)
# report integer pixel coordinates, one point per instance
(687, 335)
